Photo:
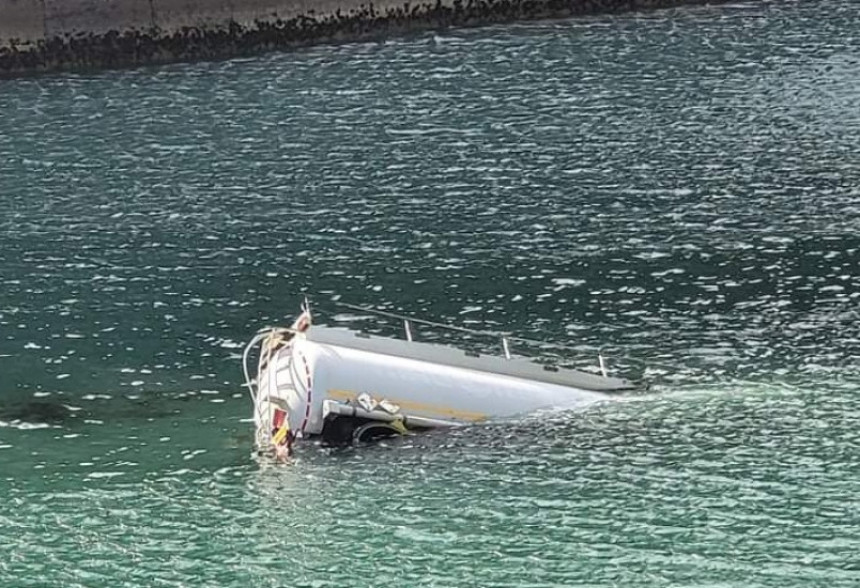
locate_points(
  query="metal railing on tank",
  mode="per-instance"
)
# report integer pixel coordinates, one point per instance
(505, 339)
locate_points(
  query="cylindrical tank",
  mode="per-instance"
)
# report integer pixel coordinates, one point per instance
(308, 372)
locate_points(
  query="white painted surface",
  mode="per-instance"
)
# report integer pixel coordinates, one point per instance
(420, 388)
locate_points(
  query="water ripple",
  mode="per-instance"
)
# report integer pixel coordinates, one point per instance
(678, 188)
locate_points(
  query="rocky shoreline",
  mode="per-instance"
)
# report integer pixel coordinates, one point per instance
(139, 36)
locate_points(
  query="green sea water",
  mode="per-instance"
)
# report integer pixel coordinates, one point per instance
(680, 189)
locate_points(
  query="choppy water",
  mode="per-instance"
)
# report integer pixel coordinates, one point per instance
(681, 188)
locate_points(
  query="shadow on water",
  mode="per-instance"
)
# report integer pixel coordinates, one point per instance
(36, 411)
(58, 411)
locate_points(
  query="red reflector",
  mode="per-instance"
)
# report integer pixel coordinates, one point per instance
(278, 418)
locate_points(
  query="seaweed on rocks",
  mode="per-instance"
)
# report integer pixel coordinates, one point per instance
(354, 22)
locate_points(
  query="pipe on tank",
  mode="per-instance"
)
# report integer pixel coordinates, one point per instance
(336, 408)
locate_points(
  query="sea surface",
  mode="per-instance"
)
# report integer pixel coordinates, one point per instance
(679, 190)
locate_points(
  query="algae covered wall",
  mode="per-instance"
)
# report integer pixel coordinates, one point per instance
(40, 35)
(21, 19)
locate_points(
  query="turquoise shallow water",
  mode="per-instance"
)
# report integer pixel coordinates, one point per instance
(679, 188)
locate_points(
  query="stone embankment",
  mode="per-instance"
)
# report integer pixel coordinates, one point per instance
(45, 35)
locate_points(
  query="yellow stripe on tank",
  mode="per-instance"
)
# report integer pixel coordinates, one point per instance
(434, 410)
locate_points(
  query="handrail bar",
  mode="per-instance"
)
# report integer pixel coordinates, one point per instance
(485, 333)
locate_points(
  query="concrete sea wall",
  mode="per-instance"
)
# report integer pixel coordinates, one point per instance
(45, 35)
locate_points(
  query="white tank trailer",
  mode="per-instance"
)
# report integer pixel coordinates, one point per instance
(348, 387)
